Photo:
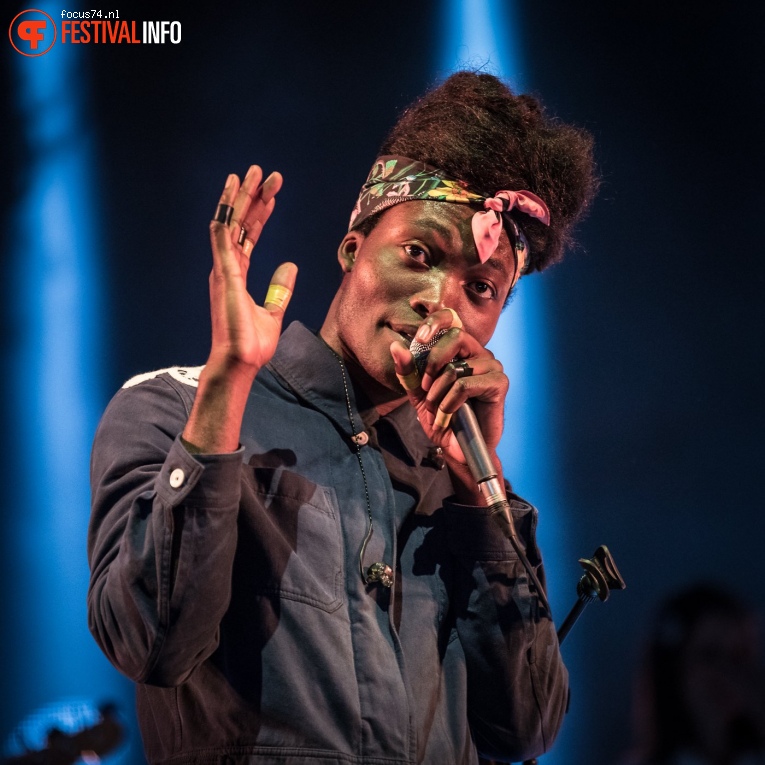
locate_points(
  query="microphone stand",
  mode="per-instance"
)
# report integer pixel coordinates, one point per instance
(599, 578)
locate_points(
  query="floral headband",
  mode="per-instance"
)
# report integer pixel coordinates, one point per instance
(394, 179)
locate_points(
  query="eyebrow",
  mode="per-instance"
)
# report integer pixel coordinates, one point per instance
(446, 232)
(497, 265)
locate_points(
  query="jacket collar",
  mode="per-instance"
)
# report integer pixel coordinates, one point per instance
(306, 365)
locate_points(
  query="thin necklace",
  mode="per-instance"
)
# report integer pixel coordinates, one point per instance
(377, 572)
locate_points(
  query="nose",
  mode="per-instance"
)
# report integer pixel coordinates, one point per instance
(439, 291)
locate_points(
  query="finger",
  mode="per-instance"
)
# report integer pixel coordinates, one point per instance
(264, 196)
(455, 344)
(445, 318)
(219, 232)
(228, 195)
(254, 230)
(280, 290)
(432, 330)
(453, 372)
(260, 211)
(448, 401)
(271, 186)
(441, 419)
(485, 391)
(244, 199)
(406, 370)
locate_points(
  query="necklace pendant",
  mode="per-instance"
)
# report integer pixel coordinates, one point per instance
(380, 572)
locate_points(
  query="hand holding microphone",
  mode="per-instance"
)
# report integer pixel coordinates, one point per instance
(439, 380)
(443, 368)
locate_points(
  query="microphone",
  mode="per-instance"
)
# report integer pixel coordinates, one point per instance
(467, 431)
(465, 425)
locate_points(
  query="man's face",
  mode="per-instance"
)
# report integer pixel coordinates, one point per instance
(419, 258)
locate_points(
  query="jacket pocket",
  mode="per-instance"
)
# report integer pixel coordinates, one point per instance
(294, 542)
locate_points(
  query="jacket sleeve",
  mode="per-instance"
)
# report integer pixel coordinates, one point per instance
(162, 537)
(517, 682)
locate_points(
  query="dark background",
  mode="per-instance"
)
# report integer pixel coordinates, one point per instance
(656, 322)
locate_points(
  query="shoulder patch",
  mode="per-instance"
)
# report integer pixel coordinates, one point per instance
(186, 375)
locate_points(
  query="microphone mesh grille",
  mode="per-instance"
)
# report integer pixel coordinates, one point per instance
(420, 351)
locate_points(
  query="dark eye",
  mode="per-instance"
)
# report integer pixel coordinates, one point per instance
(484, 290)
(416, 252)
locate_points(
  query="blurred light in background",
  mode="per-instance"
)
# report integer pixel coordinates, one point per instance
(484, 34)
(64, 727)
(54, 297)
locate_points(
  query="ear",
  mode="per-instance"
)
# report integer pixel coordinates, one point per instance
(348, 250)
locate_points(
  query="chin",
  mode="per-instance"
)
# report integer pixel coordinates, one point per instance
(392, 384)
(385, 378)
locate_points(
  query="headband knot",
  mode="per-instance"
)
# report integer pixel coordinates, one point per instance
(395, 179)
(487, 227)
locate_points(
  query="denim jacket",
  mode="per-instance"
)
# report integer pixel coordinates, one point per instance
(228, 586)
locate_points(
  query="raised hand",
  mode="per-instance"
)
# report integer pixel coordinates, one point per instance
(244, 334)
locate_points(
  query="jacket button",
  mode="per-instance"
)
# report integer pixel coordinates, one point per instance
(436, 457)
(177, 477)
(362, 439)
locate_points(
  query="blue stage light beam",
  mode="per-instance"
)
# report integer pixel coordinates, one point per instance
(484, 35)
(56, 303)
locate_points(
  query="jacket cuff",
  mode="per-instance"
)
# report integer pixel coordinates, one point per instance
(473, 533)
(203, 480)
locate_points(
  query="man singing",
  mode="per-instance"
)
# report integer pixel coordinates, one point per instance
(289, 554)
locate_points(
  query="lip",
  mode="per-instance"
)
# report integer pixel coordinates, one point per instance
(405, 331)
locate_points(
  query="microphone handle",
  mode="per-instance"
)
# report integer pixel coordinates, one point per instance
(469, 437)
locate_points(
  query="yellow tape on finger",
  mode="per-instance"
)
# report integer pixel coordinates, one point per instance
(442, 419)
(278, 295)
(410, 381)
